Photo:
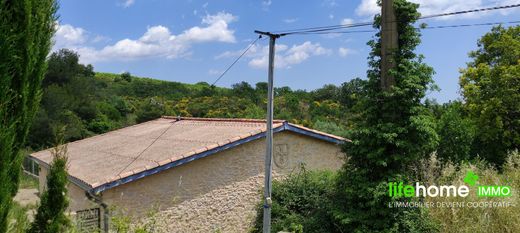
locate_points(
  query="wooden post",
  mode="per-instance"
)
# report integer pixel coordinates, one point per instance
(389, 43)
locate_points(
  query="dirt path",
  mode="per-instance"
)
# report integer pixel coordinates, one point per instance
(27, 197)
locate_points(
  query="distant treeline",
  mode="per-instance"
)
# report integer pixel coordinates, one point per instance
(90, 103)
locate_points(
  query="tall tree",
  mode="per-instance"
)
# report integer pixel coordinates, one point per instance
(491, 90)
(392, 132)
(26, 30)
(51, 217)
(63, 65)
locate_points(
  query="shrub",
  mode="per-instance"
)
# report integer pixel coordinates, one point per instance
(456, 135)
(301, 203)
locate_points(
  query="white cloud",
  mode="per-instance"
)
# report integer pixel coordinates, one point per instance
(99, 38)
(158, 41)
(285, 57)
(266, 4)
(330, 3)
(254, 51)
(367, 7)
(68, 35)
(347, 21)
(429, 7)
(214, 72)
(291, 20)
(343, 52)
(128, 3)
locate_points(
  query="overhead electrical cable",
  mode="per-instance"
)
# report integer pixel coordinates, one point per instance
(471, 11)
(145, 149)
(344, 26)
(427, 27)
(332, 29)
(236, 60)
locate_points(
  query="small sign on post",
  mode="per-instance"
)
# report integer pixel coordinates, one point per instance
(89, 220)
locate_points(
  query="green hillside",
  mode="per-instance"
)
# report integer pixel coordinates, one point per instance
(88, 103)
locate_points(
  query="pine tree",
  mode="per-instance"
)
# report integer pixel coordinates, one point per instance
(26, 29)
(393, 131)
(51, 217)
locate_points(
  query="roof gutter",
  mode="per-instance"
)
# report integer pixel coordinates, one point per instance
(106, 213)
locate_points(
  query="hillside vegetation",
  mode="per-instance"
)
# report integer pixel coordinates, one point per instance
(89, 103)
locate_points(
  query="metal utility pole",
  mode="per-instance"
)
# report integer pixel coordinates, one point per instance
(389, 42)
(269, 133)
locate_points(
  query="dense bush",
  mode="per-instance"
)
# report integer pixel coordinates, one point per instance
(302, 202)
(456, 134)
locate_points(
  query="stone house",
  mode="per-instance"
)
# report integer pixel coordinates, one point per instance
(202, 174)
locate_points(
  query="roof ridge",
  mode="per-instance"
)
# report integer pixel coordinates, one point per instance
(222, 119)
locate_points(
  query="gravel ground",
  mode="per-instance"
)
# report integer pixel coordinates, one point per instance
(27, 197)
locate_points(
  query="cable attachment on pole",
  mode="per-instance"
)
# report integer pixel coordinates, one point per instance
(269, 132)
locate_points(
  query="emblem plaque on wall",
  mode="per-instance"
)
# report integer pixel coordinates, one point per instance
(281, 155)
(89, 220)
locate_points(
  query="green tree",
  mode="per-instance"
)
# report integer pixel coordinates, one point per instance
(51, 217)
(456, 134)
(327, 92)
(26, 30)
(351, 91)
(491, 89)
(149, 110)
(126, 76)
(243, 89)
(393, 131)
(63, 66)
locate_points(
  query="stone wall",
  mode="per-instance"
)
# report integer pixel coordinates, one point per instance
(219, 192)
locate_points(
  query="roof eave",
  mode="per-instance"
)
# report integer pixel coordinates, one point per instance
(312, 133)
(83, 185)
(284, 127)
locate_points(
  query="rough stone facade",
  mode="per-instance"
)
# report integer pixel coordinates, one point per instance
(218, 192)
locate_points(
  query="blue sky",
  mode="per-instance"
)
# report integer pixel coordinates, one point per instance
(194, 41)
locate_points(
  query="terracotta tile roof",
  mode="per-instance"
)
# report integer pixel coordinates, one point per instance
(119, 154)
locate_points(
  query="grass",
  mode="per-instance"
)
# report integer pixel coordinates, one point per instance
(480, 219)
(18, 220)
(28, 181)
